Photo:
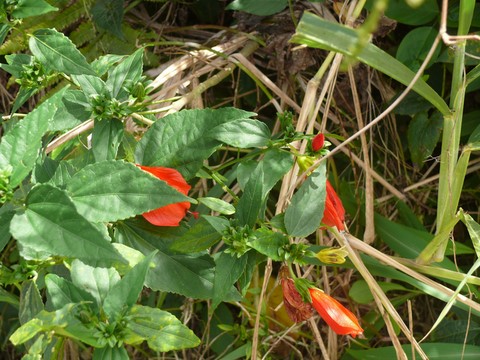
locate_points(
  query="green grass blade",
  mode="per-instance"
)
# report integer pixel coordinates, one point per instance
(316, 32)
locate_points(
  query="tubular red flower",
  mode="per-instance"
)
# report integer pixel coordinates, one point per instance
(318, 142)
(334, 213)
(339, 318)
(169, 215)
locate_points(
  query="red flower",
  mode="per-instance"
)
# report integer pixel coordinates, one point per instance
(169, 215)
(318, 142)
(339, 318)
(334, 213)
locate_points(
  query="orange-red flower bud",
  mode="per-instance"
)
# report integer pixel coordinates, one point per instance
(318, 142)
(334, 213)
(169, 215)
(338, 317)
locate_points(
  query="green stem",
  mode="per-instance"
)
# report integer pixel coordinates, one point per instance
(449, 186)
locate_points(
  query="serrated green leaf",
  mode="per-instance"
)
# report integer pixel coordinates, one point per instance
(15, 64)
(72, 111)
(102, 64)
(228, 269)
(51, 226)
(57, 52)
(125, 74)
(27, 8)
(110, 353)
(245, 133)
(260, 8)
(106, 138)
(62, 292)
(188, 275)
(22, 96)
(249, 205)
(269, 243)
(316, 32)
(95, 281)
(165, 143)
(20, 146)
(30, 302)
(63, 321)
(217, 205)
(125, 292)
(90, 84)
(201, 236)
(423, 135)
(108, 14)
(305, 211)
(163, 331)
(115, 190)
(275, 163)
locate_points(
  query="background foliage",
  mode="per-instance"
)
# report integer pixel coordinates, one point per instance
(230, 93)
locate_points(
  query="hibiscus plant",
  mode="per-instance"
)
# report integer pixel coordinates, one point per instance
(114, 213)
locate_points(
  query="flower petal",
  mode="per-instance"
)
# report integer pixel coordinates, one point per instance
(334, 213)
(172, 214)
(339, 318)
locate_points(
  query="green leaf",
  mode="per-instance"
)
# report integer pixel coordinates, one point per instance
(474, 231)
(126, 291)
(103, 63)
(90, 84)
(260, 8)
(249, 205)
(52, 226)
(106, 137)
(316, 32)
(27, 8)
(187, 275)
(5, 219)
(115, 190)
(245, 133)
(57, 52)
(305, 212)
(30, 302)
(360, 292)
(108, 14)
(110, 353)
(22, 96)
(414, 47)
(423, 135)
(217, 205)
(165, 143)
(269, 243)
(402, 12)
(201, 236)
(20, 146)
(163, 331)
(72, 111)
(126, 74)
(228, 270)
(434, 351)
(275, 163)
(63, 321)
(95, 281)
(62, 292)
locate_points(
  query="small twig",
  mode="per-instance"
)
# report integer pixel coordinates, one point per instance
(71, 134)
